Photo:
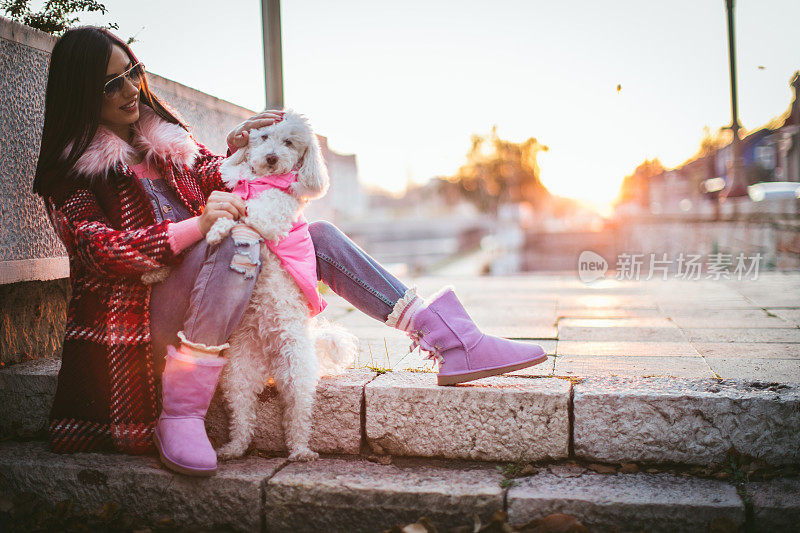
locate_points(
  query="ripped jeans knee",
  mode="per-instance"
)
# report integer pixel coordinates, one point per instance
(247, 251)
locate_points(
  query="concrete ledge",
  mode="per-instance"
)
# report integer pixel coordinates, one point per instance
(494, 419)
(658, 420)
(27, 391)
(357, 495)
(685, 421)
(336, 424)
(354, 494)
(628, 502)
(41, 269)
(231, 500)
(22, 34)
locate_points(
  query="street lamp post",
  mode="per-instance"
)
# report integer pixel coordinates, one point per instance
(738, 185)
(273, 57)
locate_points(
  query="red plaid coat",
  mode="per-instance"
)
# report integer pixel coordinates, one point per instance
(106, 396)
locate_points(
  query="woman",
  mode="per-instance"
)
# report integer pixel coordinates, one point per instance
(129, 190)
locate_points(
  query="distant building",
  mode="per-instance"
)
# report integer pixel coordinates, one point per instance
(770, 153)
(779, 150)
(346, 199)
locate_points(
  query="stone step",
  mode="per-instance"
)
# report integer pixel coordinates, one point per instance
(139, 485)
(665, 420)
(354, 494)
(508, 418)
(27, 391)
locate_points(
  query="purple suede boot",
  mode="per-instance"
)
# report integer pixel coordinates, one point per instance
(445, 329)
(188, 384)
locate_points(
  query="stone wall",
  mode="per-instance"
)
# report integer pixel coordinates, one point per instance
(209, 118)
(775, 238)
(29, 250)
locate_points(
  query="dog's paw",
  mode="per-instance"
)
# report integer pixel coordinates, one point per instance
(303, 454)
(219, 230)
(231, 450)
(214, 236)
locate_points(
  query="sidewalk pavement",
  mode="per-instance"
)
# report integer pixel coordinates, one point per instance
(617, 453)
(747, 329)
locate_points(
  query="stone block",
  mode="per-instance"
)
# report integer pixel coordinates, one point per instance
(742, 334)
(544, 369)
(776, 504)
(693, 305)
(337, 416)
(358, 495)
(781, 370)
(230, 500)
(606, 312)
(607, 301)
(670, 334)
(544, 329)
(627, 502)
(606, 322)
(749, 350)
(381, 352)
(685, 421)
(492, 419)
(791, 315)
(632, 366)
(729, 318)
(26, 396)
(623, 348)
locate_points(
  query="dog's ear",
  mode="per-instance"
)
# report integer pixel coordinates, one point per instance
(239, 156)
(229, 169)
(312, 176)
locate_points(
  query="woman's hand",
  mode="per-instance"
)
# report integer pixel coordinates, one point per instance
(240, 135)
(221, 204)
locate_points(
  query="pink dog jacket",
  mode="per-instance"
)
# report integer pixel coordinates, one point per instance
(296, 250)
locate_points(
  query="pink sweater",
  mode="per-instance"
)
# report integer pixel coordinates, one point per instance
(181, 234)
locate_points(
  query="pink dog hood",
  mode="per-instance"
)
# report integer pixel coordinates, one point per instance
(296, 250)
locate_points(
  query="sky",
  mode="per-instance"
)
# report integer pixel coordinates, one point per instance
(403, 85)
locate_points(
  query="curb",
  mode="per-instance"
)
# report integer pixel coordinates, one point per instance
(354, 494)
(613, 420)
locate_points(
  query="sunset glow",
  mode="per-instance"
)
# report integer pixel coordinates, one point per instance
(403, 86)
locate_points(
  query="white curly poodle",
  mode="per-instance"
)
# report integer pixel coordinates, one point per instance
(277, 337)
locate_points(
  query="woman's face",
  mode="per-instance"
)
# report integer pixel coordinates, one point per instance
(114, 113)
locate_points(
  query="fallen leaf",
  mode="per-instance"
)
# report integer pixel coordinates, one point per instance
(603, 469)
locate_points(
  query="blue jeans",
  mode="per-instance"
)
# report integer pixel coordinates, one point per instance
(206, 298)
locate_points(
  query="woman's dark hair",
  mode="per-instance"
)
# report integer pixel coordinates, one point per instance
(73, 102)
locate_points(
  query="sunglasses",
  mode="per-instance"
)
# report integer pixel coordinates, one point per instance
(115, 85)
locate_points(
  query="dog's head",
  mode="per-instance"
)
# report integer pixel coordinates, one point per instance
(288, 145)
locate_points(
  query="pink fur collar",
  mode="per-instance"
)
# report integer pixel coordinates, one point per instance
(152, 135)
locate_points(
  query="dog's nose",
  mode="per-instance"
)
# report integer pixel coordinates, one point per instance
(272, 159)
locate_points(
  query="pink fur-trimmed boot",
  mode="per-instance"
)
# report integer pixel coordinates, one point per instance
(443, 328)
(188, 384)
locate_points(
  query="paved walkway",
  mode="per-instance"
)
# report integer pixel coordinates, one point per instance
(746, 329)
